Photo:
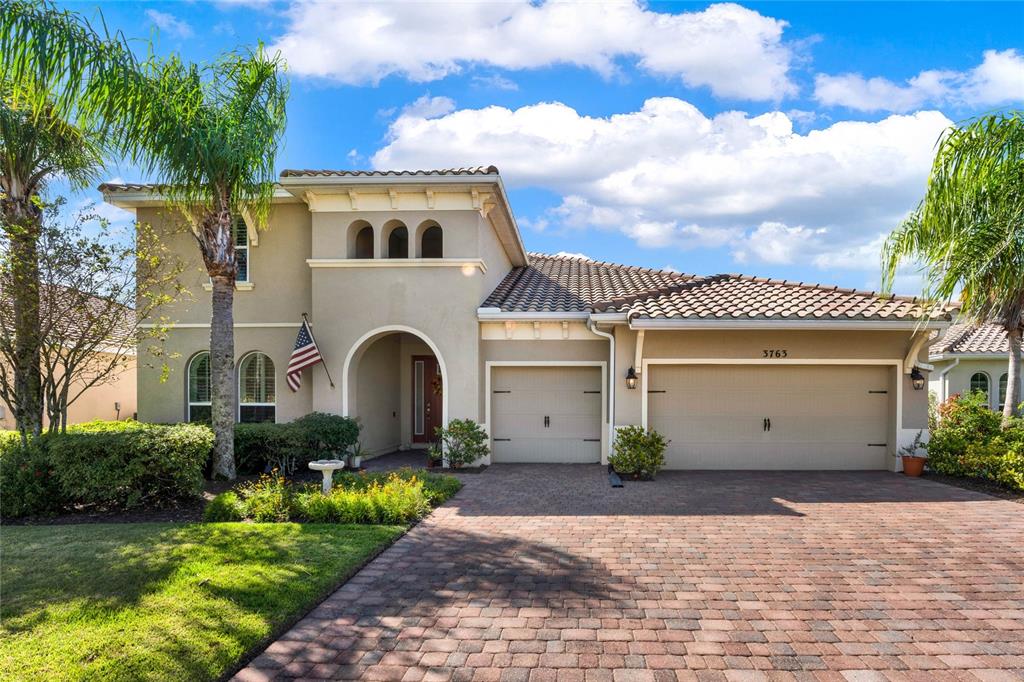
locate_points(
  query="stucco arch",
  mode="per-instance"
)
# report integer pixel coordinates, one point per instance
(420, 230)
(385, 239)
(355, 353)
(354, 237)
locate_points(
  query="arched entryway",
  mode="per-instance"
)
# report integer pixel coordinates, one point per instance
(394, 382)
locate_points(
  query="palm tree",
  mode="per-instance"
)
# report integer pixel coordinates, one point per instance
(209, 133)
(968, 232)
(211, 144)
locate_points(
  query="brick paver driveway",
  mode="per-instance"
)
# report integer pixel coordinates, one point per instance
(546, 573)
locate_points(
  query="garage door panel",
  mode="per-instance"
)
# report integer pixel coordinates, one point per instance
(822, 417)
(569, 397)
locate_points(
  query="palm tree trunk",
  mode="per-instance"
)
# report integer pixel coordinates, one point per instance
(22, 222)
(222, 376)
(1013, 397)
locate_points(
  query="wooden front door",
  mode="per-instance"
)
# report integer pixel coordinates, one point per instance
(427, 392)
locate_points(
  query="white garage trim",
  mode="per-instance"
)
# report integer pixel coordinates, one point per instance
(895, 364)
(548, 363)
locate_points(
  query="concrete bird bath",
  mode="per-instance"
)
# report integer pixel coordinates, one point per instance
(327, 467)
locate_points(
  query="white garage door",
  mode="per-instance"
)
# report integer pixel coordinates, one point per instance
(777, 417)
(546, 414)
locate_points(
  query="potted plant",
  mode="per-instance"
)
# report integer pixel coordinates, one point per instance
(435, 458)
(913, 456)
(355, 456)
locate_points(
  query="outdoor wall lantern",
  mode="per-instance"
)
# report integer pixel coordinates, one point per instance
(917, 379)
(631, 378)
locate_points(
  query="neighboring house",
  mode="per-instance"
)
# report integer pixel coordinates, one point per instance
(971, 358)
(427, 307)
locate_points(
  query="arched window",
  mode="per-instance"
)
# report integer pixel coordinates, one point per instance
(199, 388)
(979, 382)
(398, 242)
(359, 240)
(256, 395)
(1004, 381)
(432, 242)
(364, 243)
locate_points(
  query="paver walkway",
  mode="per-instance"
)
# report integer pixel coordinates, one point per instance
(546, 573)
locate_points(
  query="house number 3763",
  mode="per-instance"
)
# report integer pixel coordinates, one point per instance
(775, 353)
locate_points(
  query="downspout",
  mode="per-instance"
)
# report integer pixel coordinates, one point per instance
(611, 380)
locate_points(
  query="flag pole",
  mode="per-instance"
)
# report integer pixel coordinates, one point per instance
(322, 360)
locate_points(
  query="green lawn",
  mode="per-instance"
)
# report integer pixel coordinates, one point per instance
(162, 601)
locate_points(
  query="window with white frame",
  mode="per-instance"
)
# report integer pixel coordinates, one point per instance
(198, 388)
(240, 235)
(979, 382)
(256, 394)
(1004, 381)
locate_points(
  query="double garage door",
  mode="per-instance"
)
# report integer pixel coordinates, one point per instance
(716, 416)
(776, 417)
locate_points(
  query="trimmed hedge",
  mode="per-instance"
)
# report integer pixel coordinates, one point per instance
(638, 453)
(266, 446)
(114, 465)
(969, 442)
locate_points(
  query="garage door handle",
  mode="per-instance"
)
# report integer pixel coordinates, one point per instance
(547, 422)
(766, 425)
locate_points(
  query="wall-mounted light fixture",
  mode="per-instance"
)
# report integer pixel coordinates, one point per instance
(917, 379)
(631, 378)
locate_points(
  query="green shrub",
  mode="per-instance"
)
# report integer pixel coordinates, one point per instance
(265, 446)
(225, 507)
(28, 486)
(128, 464)
(968, 441)
(326, 436)
(462, 442)
(268, 499)
(637, 452)
(384, 498)
(437, 487)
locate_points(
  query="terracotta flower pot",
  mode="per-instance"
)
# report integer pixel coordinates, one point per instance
(913, 466)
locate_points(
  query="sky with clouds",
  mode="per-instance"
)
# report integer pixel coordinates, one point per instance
(776, 139)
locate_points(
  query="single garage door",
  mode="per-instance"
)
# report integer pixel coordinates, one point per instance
(775, 417)
(546, 414)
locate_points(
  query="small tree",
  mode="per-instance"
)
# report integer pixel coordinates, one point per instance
(89, 314)
(462, 442)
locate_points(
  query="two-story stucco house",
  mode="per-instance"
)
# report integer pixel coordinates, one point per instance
(971, 358)
(426, 306)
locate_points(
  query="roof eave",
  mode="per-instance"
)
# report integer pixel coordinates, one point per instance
(717, 323)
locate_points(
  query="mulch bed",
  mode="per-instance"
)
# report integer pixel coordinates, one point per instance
(979, 485)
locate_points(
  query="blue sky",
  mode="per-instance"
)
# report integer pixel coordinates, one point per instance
(775, 139)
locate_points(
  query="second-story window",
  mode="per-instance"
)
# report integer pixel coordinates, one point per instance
(240, 235)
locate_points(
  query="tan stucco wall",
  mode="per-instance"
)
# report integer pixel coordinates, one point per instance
(277, 268)
(461, 231)
(379, 391)
(97, 402)
(958, 379)
(165, 401)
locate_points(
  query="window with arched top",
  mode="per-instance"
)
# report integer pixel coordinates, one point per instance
(1004, 381)
(432, 242)
(198, 389)
(979, 382)
(398, 242)
(360, 240)
(257, 400)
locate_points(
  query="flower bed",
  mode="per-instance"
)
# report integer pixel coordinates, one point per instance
(389, 498)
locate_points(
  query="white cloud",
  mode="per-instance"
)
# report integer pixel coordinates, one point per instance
(429, 107)
(735, 51)
(570, 254)
(669, 176)
(170, 23)
(999, 79)
(495, 82)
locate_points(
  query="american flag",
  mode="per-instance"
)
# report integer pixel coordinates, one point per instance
(306, 354)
